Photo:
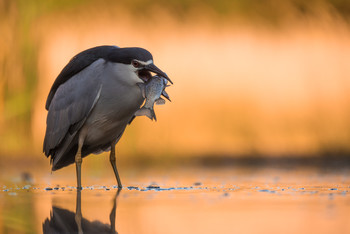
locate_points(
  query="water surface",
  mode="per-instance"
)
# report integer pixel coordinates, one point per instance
(175, 200)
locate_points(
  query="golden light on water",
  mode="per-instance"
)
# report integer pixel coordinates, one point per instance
(226, 201)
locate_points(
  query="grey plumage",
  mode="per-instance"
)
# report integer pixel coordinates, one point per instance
(92, 100)
(68, 111)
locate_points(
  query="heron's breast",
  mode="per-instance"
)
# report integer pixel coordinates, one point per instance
(112, 112)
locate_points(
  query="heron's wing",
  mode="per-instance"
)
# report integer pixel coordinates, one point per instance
(71, 105)
(76, 65)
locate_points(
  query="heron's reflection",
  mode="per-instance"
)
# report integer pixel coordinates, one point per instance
(65, 221)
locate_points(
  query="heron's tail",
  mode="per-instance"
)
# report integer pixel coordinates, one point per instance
(66, 159)
(149, 112)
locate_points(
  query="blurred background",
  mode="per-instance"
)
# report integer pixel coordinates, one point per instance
(252, 79)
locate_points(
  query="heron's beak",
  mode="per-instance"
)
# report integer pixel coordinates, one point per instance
(153, 68)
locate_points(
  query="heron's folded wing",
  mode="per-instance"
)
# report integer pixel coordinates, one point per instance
(72, 104)
(77, 64)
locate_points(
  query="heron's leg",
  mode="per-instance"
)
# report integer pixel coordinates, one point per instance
(78, 162)
(112, 160)
(78, 215)
(113, 211)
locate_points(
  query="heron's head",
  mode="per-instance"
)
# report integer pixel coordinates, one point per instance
(139, 61)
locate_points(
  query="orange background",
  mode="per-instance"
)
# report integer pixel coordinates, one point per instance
(265, 81)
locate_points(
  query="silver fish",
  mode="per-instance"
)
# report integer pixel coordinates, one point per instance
(152, 90)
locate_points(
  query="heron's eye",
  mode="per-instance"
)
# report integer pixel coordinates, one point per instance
(135, 63)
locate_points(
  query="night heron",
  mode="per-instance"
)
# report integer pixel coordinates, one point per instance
(92, 101)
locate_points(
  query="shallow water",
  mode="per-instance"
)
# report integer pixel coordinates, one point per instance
(190, 200)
